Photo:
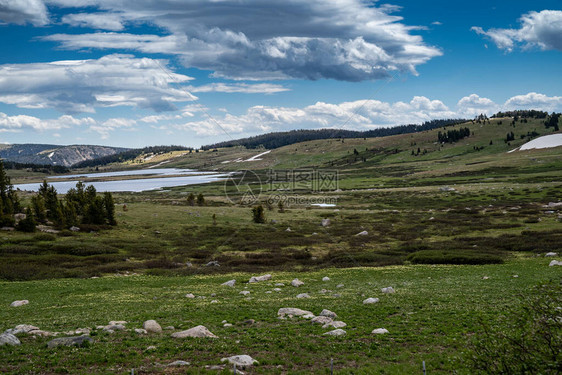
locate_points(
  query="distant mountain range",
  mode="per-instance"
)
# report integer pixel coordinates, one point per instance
(54, 154)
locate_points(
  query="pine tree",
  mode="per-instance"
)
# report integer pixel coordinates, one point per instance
(109, 205)
(200, 200)
(39, 210)
(258, 214)
(28, 224)
(191, 199)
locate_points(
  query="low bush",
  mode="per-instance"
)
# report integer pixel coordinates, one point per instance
(453, 257)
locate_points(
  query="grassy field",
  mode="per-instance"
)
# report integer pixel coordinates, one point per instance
(433, 315)
(437, 223)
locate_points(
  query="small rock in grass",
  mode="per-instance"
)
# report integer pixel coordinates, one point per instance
(370, 300)
(178, 363)
(229, 283)
(213, 294)
(245, 292)
(214, 301)
(325, 278)
(9, 339)
(303, 295)
(335, 324)
(336, 332)
(292, 311)
(152, 326)
(515, 276)
(255, 279)
(322, 320)
(279, 284)
(555, 263)
(325, 222)
(116, 322)
(113, 328)
(288, 230)
(240, 360)
(550, 254)
(296, 283)
(309, 316)
(19, 303)
(364, 233)
(150, 348)
(268, 292)
(141, 331)
(337, 295)
(249, 321)
(213, 263)
(329, 314)
(227, 325)
(485, 277)
(388, 290)
(199, 331)
(189, 295)
(169, 328)
(339, 286)
(380, 331)
(276, 289)
(69, 341)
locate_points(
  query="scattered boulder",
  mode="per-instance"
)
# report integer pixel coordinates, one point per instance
(279, 284)
(555, 263)
(296, 283)
(326, 222)
(288, 230)
(199, 331)
(19, 303)
(388, 290)
(245, 292)
(325, 278)
(214, 301)
(152, 326)
(335, 332)
(213, 263)
(249, 322)
(340, 286)
(69, 341)
(291, 311)
(329, 314)
(551, 254)
(229, 283)
(379, 331)
(240, 360)
(169, 328)
(74, 229)
(189, 295)
(255, 279)
(111, 328)
(227, 325)
(116, 322)
(178, 363)
(485, 277)
(323, 320)
(277, 289)
(21, 328)
(370, 301)
(363, 233)
(9, 339)
(141, 331)
(335, 324)
(303, 295)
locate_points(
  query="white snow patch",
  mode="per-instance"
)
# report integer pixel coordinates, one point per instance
(256, 157)
(51, 155)
(547, 141)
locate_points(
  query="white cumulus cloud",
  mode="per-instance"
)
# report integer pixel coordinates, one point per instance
(538, 29)
(81, 85)
(21, 12)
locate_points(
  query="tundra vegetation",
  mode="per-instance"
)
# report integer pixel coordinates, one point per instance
(460, 232)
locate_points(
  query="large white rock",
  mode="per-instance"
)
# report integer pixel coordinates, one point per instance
(199, 331)
(303, 295)
(152, 326)
(329, 314)
(380, 331)
(293, 311)
(19, 303)
(335, 324)
(370, 300)
(325, 278)
(229, 283)
(322, 320)
(240, 360)
(555, 263)
(178, 363)
(21, 328)
(551, 254)
(296, 283)
(388, 290)
(336, 332)
(9, 339)
(189, 295)
(255, 279)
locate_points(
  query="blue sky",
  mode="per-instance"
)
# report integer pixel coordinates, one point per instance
(146, 72)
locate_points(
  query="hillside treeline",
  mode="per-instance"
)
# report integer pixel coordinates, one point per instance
(280, 139)
(42, 168)
(128, 155)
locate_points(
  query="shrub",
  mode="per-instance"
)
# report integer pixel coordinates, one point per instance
(453, 257)
(527, 339)
(258, 214)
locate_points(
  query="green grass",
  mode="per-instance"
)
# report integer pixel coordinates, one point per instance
(431, 317)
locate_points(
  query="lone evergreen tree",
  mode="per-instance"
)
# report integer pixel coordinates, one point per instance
(200, 200)
(258, 214)
(191, 199)
(109, 205)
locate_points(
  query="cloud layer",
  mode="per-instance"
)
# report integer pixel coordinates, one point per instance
(538, 29)
(21, 12)
(349, 40)
(81, 85)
